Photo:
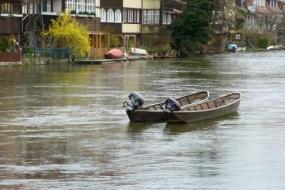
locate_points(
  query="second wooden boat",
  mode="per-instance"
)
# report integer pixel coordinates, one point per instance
(158, 112)
(210, 109)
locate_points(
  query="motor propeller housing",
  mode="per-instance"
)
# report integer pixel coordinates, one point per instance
(135, 102)
(171, 105)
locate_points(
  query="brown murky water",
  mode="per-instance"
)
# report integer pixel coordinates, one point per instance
(62, 126)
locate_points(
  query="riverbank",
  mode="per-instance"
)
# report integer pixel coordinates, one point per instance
(44, 61)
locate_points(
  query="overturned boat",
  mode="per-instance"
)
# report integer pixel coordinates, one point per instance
(210, 109)
(138, 52)
(114, 53)
(158, 112)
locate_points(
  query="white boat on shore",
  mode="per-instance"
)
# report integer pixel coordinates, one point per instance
(138, 52)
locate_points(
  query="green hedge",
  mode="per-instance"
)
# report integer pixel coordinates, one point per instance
(260, 41)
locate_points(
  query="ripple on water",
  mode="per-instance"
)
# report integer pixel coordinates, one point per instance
(62, 126)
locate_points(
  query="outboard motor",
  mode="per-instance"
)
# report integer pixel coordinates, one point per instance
(135, 102)
(171, 105)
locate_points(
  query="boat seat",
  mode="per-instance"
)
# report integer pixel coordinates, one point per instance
(204, 106)
(211, 105)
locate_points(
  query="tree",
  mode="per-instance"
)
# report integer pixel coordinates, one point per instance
(190, 31)
(68, 33)
(4, 44)
(281, 31)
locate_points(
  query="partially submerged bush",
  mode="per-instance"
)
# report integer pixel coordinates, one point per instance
(5, 44)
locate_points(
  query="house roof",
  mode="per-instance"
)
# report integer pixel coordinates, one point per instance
(263, 10)
(275, 10)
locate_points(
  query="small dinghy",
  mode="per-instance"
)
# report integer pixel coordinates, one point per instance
(210, 109)
(138, 52)
(158, 112)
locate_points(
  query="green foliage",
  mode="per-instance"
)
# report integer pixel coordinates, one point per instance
(240, 15)
(260, 41)
(281, 31)
(263, 42)
(190, 31)
(68, 33)
(5, 44)
(115, 41)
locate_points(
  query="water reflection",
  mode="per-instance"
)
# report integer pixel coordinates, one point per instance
(211, 124)
(137, 127)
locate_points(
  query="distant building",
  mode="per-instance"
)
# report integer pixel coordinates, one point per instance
(263, 15)
(130, 20)
(10, 29)
(37, 17)
(11, 18)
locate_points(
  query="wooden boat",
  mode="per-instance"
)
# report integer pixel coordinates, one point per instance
(114, 53)
(218, 107)
(156, 112)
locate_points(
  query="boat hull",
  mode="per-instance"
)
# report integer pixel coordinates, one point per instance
(193, 116)
(147, 116)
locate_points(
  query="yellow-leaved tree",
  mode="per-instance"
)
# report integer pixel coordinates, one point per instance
(68, 33)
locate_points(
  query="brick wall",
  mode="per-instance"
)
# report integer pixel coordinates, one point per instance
(11, 56)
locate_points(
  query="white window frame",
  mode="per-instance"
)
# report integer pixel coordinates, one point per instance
(110, 15)
(125, 15)
(138, 16)
(71, 5)
(48, 4)
(156, 16)
(118, 16)
(80, 6)
(151, 16)
(90, 6)
(103, 15)
(144, 17)
(130, 15)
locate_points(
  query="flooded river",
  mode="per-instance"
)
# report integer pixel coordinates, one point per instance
(62, 127)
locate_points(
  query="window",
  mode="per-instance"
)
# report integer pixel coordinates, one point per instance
(6, 8)
(46, 6)
(169, 19)
(80, 6)
(110, 15)
(125, 15)
(118, 16)
(131, 15)
(156, 16)
(103, 15)
(138, 16)
(151, 16)
(166, 18)
(98, 12)
(90, 7)
(70, 5)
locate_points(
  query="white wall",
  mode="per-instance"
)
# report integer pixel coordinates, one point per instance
(57, 6)
(131, 28)
(136, 4)
(97, 3)
(151, 4)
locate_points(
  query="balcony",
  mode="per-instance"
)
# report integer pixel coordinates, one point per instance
(11, 8)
